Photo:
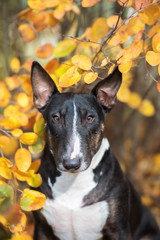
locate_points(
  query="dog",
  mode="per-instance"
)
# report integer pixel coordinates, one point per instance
(87, 195)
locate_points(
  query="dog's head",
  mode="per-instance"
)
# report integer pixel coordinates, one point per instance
(75, 123)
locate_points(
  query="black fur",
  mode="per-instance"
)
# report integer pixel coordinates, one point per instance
(128, 218)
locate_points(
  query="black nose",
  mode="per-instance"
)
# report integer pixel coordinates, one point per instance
(72, 164)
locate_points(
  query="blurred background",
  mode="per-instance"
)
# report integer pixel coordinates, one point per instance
(134, 136)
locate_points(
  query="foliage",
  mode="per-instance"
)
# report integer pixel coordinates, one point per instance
(75, 63)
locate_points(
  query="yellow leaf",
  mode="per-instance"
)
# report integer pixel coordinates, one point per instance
(15, 65)
(35, 165)
(70, 77)
(146, 108)
(153, 30)
(20, 226)
(120, 36)
(156, 42)
(111, 69)
(26, 32)
(16, 132)
(4, 95)
(99, 29)
(123, 94)
(21, 176)
(9, 163)
(125, 66)
(37, 4)
(105, 61)
(128, 3)
(23, 159)
(35, 180)
(4, 140)
(153, 58)
(90, 77)
(32, 200)
(134, 100)
(38, 127)
(22, 236)
(22, 99)
(135, 25)
(12, 82)
(112, 21)
(64, 48)
(44, 51)
(85, 49)
(82, 62)
(89, 3)
(150, 14)
(28, 138)
(4, 169)
(11, 147)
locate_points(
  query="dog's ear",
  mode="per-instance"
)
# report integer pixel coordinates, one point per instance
(42, 85)
(107, 89)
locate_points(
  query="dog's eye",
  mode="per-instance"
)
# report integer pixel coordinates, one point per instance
(90, 118)
(56, 118)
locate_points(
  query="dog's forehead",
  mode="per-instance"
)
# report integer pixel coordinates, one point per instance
(63, 101)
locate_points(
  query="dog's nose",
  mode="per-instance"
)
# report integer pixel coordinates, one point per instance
(72, 164)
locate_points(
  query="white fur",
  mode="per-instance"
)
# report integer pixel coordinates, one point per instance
(75, 137)
(66, 214)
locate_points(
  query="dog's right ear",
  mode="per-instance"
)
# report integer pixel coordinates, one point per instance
(42, 85)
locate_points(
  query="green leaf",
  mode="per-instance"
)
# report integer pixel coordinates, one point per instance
(38, 146)
(64, 48)
(6, 197)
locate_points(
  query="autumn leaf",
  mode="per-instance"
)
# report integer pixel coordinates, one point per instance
(64, 48)
(38, 146)
(150, 14)
(113, 20)
(6, 197)
(4, 140)
(135, 25)
(44, 51)
(158, 86)
(70, 77)
(4, 168)
(22, 236)
(16, 132)
(89, 3)
(22, 99)
(111, 69)
(52, 65)
(34, 180)
(146, 108)
(90, 77)
(26, 32)
(99, 29)
(12, 146)
(82, 62)
(4, 95)
(15, 65)
(28, 138)
(125, 66)
(153, 58)
(23, 159)
(19, 226)
(12, 82)
(156, 42)
(32, 200)
(142, 3)
(38, 127)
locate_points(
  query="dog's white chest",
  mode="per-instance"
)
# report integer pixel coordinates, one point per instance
(66, 214)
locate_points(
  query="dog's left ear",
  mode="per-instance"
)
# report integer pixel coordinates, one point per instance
(42, 84)
(107, 89)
